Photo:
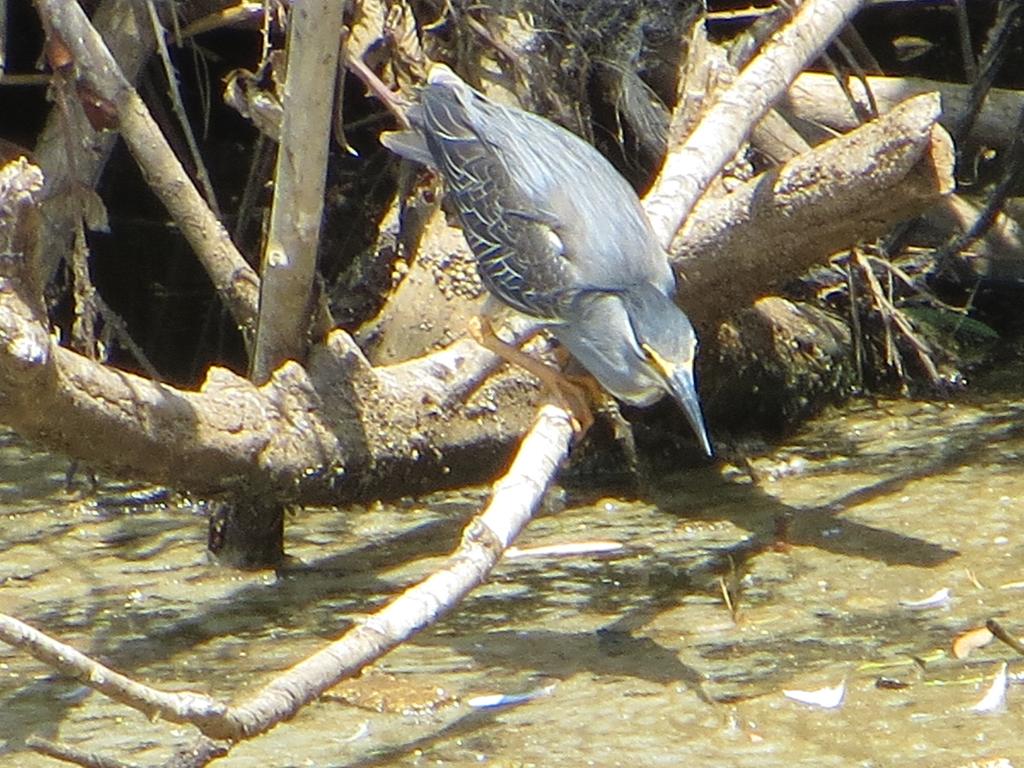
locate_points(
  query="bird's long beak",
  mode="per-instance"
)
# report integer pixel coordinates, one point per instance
(684, 391)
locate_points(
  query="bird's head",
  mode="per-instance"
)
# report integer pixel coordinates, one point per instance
(667, 344)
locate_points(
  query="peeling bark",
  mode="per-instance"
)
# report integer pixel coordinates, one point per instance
(235, 280)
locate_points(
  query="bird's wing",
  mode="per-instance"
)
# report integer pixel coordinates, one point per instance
(520, 254)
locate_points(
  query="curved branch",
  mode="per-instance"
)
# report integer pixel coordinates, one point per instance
(337, 429)
(484, 540)
(513, 501)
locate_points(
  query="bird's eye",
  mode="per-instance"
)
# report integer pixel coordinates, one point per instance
(655, 359)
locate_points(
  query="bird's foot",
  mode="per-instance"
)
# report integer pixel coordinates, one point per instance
(568, 395)
(622, 430)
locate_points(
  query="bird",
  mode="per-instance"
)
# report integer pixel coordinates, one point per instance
(559, 235)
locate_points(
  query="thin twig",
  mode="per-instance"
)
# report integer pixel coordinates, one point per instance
(1003, 636)
(179, 109)
(1009, 18)
(916, 286)
(855, 326)
(115, 324)
(859, 73)
(69, 754)
(179, 707)
(963, 28)
(1012, 173)
(889, 311)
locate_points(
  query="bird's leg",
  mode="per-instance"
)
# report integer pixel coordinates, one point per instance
(604, 404)
(622, 430)
(569, 395)
(608, 406)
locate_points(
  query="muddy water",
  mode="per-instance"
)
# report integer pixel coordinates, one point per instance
(823, 543)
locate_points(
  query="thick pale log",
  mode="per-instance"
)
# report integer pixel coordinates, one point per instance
(738, 248)
(690, 168)
(818, 99)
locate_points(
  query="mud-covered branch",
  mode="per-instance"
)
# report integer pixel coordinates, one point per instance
(334, 430)
(742, 246)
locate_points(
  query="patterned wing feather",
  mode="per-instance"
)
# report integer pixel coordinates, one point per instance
(519, 252)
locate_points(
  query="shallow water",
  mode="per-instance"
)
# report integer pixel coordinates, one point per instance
(821, 541)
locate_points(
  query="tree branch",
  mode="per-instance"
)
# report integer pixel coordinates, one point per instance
(690, 168)
(288, 270)
(745, 245)
(819, 100)
(181, 707)
(234, 279)
(513, 501)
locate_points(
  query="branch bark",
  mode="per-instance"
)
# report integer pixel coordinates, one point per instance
(770, 230)
(336, 428)
(819, 100)
(289, 260)
(70, 151)
(514, 499)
